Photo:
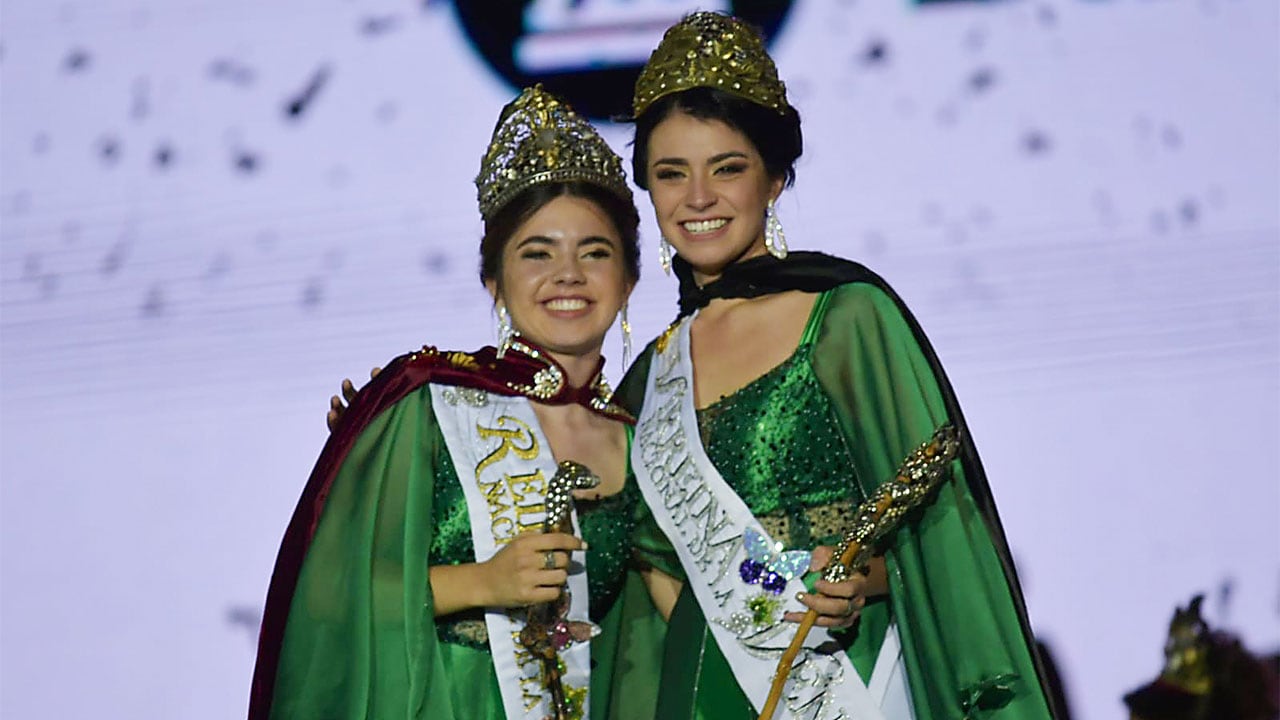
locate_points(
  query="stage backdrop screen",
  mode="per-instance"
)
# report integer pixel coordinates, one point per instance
(212, 212)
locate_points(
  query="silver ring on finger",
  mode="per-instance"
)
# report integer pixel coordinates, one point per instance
(549, 560)
(853, 607)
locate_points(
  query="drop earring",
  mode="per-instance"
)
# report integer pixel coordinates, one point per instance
(775, 240)
(626, 337)
(506, 333)
(665, 251)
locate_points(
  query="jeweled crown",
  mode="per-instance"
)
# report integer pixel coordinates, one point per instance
(709, 49)
(539, 139)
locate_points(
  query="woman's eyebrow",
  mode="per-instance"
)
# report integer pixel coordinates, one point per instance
(596, 240)
(710, 161)
(535, 240)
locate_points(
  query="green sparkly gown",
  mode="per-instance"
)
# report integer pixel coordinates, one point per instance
(806, 442)
(362, 640)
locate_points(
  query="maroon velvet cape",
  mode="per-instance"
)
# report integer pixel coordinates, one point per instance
(481, 370)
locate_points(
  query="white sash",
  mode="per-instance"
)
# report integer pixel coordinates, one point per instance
(504, 463)
(705, 520)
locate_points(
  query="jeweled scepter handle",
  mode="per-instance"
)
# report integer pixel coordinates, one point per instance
(541, 626)
(875, 519)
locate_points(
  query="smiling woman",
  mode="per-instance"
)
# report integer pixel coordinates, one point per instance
(790, 388)
(708, 183)
(421, 575)
(561, 260)
(707, 158)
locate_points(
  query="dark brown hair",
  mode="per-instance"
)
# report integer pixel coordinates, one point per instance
(776, 136)
(499, 228)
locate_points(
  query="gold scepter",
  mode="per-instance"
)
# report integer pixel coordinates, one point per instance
(875, 519)
(547, 628)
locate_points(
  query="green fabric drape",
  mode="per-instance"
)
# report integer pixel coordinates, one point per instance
(360, 640)
(964, 647)
(963, 644)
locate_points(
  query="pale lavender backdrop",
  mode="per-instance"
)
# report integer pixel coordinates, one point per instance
(1078, 198)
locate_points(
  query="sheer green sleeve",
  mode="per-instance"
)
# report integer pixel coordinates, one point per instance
(963, 645)
(626, 658)
(360, 640)
(650, 545)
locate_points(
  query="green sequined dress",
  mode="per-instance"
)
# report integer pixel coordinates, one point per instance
(803, 445)
(606, 526)
(397, 497)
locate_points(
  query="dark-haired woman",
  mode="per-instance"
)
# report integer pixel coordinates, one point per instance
(789, 388)
(401, 584)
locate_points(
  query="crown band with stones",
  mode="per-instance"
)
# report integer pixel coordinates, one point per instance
(539, 139)
(708, 49)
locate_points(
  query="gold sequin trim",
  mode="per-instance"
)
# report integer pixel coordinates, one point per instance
(463, 360)
(425, 351)
(665, 338)
(825, 521)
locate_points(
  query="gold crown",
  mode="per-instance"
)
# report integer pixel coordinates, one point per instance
(539, 139)
(708, 49)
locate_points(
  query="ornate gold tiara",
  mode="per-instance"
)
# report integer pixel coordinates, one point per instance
(539, 139)
(708, 49)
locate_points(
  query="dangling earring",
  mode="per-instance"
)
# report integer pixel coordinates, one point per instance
(775, 240)
(626, 338)
(664, 255)
(506, 333)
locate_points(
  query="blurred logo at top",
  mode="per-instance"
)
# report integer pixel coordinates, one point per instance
(588, 52)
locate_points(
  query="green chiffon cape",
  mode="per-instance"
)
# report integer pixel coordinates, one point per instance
(358, 639)
(966, 643)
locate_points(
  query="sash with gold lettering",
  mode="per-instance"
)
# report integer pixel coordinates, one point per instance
(504, 462)
(718, 540)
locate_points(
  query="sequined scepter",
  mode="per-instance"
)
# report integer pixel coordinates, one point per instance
(547, 628)
(874, 520)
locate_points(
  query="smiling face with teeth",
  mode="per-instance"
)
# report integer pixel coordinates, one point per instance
(709, 188)
(563, 278)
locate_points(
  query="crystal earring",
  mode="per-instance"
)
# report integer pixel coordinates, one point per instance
(775, 240)
(506, 333)
(665, 252)
(626, 337)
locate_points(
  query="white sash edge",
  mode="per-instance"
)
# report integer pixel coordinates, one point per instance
(461, 413)
(704, 518)
(889, 678)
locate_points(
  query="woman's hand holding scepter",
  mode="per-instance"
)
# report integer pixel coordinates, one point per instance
(874, 520)
(547, 629)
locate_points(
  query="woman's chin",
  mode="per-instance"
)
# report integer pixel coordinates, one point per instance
(573, 347)
(710, 261)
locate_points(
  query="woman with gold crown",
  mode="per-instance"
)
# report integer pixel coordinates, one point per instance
(408, 579)
(789, 388)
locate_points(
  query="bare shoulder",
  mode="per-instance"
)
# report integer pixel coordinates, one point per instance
(792, 306)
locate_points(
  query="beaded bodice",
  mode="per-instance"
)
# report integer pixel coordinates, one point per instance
(778, 444)
(606, 525)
